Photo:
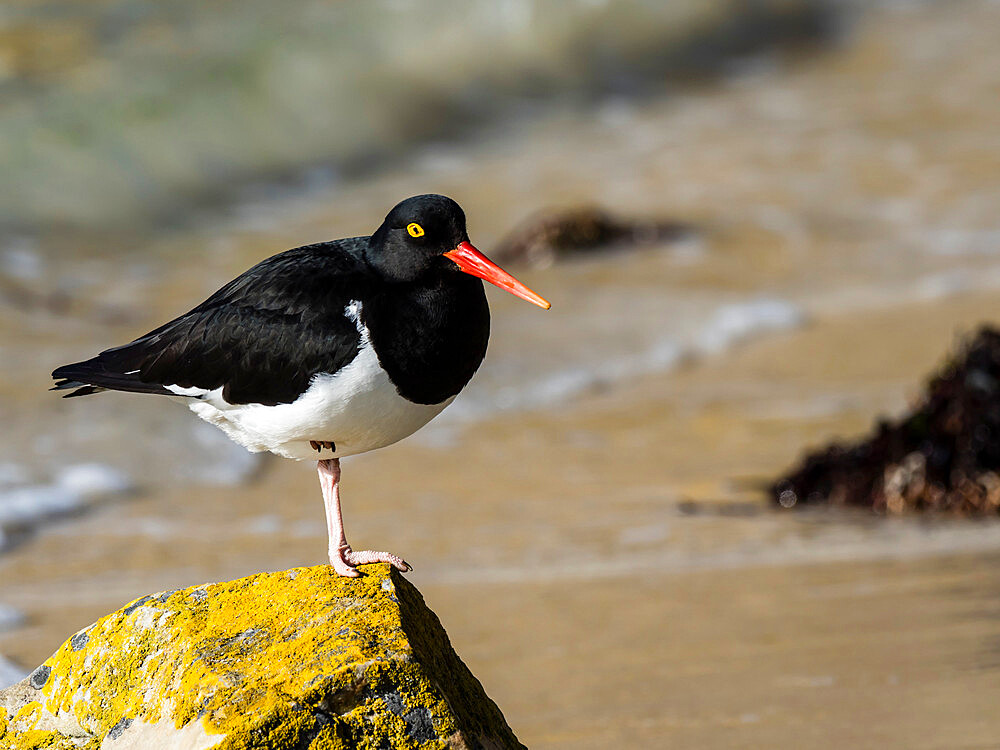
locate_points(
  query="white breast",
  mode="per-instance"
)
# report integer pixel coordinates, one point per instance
(357, 408)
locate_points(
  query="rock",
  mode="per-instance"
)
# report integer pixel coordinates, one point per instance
(942, 456)
(299, 659)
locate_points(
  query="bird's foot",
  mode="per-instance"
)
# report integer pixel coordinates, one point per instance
(344, 560)
(319, 445)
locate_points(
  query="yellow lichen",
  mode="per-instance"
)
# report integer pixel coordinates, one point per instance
(28, 716)
(19, 732)
(302, 658)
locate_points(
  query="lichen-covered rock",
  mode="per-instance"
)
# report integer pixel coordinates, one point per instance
(298, 659)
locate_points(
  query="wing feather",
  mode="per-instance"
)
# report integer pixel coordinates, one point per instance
(261, 337)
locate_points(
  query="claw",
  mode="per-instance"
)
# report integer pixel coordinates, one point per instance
(344, 560)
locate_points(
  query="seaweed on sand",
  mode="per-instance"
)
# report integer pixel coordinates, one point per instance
(944, 455)
(541, 239)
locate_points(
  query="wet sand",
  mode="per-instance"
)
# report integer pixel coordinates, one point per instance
(608, 571)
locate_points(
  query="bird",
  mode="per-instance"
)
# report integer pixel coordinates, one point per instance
(326, 350)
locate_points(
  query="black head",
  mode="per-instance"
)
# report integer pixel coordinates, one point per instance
(415, 236)
(426, 235)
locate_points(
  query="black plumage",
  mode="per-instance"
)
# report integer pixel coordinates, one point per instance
(263, 336)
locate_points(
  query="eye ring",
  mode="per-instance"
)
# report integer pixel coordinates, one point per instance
(414, 230)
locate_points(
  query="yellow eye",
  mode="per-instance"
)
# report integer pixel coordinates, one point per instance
(414, 229)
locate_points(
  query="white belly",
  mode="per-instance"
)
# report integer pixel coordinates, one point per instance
(358, 409)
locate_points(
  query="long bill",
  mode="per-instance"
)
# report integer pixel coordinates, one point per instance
(474, 262)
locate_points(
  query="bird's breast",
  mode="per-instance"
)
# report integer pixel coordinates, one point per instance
(431, 341)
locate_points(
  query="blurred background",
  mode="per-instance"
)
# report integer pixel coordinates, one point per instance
(761, 224)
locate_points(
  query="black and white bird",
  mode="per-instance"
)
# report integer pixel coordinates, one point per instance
(326, 350)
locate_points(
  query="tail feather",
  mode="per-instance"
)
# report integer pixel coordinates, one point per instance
(102, 373)
(82, 389)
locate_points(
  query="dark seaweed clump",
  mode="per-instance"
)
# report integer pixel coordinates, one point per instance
(944, 455)
(553, 234)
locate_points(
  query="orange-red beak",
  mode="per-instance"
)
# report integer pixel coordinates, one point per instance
(474, 262)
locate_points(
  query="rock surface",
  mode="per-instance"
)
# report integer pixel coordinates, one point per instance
(297, 659)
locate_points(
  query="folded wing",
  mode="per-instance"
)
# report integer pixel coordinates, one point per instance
(261, 338)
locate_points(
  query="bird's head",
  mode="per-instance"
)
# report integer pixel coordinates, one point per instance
(427, 233)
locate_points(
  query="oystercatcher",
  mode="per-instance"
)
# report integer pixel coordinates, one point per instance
(326, 350)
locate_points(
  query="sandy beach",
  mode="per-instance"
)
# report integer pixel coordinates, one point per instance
(623, 578)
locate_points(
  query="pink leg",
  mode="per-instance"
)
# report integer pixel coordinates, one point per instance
(342, 557)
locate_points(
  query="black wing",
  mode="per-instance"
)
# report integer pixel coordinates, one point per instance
(261, 337)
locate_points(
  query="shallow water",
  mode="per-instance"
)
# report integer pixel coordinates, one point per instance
(123, 113)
